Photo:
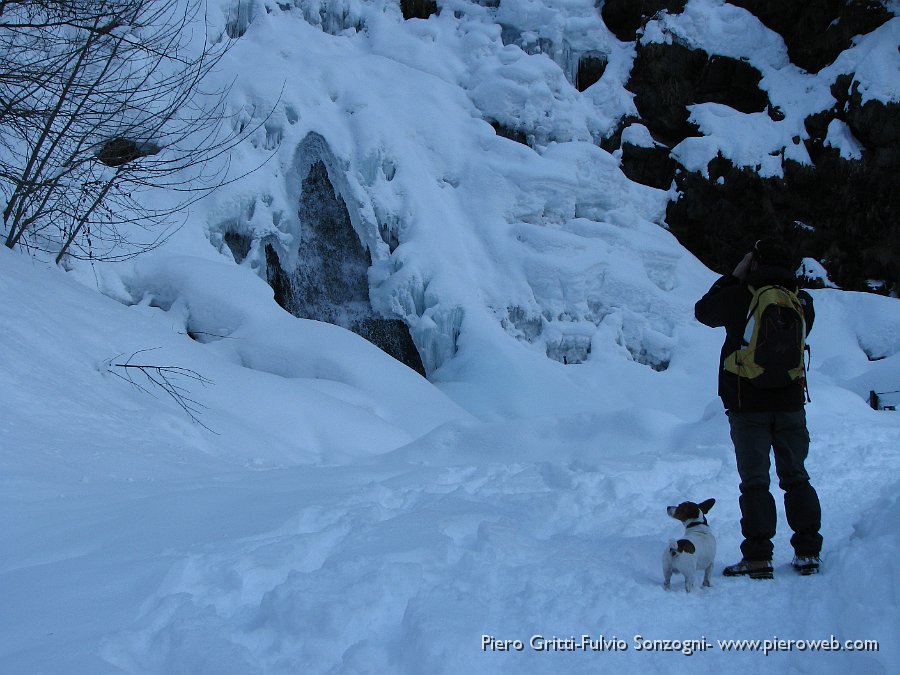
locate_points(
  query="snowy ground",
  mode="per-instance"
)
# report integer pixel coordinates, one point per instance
(138, 541)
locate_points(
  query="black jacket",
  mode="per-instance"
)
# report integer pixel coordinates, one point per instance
(727, 304)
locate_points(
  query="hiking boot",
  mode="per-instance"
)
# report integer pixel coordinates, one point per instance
(806, 564)
(755, 569)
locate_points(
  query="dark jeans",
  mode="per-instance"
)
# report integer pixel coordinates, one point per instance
(754, 434)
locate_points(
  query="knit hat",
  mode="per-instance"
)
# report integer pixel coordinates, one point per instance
(773, 253)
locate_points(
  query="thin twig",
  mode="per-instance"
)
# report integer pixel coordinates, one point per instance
(164, 378)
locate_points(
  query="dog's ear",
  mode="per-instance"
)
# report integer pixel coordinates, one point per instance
(707, 505)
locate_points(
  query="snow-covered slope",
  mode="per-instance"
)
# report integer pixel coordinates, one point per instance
(475, 238)
(332, 511)
(297, 539)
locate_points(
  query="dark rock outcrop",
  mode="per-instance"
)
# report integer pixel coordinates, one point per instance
(817, 31)
(510, 133)
(591, 67)
(118, 151)
(733, 83)
(718, 218)
(418, 9)
(278, 279)
(239, 245)
(330, 282)
(663, 80)
(666, 78)
(874, 123)
(649, 166)
(625, 17)
(842, 212)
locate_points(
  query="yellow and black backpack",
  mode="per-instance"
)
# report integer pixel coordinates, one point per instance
(774, 341)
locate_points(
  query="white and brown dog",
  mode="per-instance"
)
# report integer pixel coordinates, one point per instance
(696, 550)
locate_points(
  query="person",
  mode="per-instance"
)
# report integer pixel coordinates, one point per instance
(765, 419)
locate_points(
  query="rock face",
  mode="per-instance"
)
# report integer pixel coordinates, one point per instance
(590, 69)
(876, 125)
(666, 78)
(840, 207)
(119, 151)
(841, 212)
(816, 31)
(418, 9)
(330, 282)
(649, 166)
(625, 17)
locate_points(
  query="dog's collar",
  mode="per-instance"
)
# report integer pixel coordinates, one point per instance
(703, 522)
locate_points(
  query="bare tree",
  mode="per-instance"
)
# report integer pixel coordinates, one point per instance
(99, 101)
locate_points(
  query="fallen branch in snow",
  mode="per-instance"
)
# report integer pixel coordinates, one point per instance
(164, 378)
(192, 333)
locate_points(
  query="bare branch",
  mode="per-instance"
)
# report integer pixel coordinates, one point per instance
(100, 102)
(164, 378)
